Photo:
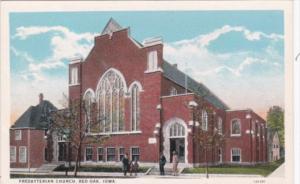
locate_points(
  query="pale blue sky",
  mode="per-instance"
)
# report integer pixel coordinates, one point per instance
(237, 54)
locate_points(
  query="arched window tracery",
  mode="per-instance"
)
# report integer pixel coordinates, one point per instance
(110, 93)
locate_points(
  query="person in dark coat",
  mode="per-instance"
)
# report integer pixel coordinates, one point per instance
(125, 162)
(162, 162)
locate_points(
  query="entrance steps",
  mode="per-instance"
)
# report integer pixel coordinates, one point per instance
(47, 168)
(168, 170)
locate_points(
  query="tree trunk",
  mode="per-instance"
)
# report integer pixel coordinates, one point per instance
(77, 161)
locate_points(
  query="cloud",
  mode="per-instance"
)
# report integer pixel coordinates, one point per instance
(65, 44)
(205, 39)
(250, 73)
(235, 71)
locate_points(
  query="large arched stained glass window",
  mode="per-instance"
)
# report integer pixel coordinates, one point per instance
(110, 93)
(135, 111)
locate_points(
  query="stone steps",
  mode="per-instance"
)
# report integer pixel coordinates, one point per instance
(168, 171)
(47, 168)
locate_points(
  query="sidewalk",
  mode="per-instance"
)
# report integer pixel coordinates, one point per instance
(279, 172)
(139, 175)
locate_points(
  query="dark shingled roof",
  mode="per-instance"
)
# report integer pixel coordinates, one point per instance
(178, 76)
(35, 116)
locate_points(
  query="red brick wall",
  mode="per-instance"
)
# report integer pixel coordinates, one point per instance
(249, 145)
(119, 52)
(35, 152)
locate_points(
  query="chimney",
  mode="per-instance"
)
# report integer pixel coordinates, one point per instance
(41, 97)
(175, 65)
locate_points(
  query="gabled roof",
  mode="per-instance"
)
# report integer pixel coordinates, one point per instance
(35, 116)
(181, 78)
(111, 26)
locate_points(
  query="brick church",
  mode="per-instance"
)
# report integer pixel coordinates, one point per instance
(150, 106)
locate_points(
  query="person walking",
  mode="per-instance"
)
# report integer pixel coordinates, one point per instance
(162, 162)
(175, 162)
(125, 163)
(135, 167)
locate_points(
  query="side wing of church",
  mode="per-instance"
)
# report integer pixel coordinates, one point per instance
(151, 107)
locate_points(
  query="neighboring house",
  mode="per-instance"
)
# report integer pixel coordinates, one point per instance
(274, 146)
(28, 146)
(150, 105)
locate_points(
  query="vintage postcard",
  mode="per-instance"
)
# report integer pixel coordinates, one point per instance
(131, 92)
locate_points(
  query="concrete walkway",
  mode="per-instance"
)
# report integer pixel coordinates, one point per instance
(139, 175)
(279, 172)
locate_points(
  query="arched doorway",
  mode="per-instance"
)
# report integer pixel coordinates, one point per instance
(175, 139)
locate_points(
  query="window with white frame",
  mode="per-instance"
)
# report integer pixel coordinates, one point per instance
(22, 154)
(152, 61)
(135, 112)
(173, 91)
(135, 153)
(111, 102)
(13, 153)
(235, 127)
(220, 125)
(74, 75)
(204, 119)
(100, 152)
(111, 154)
(121, 153)
(220, 155)
(88, 153)
(236, 155)
(88, 100)
(18, 135)
(177, 130)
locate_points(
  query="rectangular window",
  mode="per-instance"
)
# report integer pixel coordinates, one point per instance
(88, 153)
(22, 154)
(100, 154)
(220, 126)
(74, 75)
(236, 155)
(18, 135)
(13, 153)
(121, 153)
(111, 154)
(135, 153)
(152, 61)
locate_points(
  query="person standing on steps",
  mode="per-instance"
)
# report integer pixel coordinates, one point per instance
(125, 162)
(162, 162)
(175, 162)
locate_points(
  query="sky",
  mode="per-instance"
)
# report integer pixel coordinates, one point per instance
(238, 55)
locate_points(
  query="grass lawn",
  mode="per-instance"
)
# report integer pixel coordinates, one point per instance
(260, 169)
(96, 168)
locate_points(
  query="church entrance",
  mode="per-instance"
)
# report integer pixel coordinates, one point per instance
(175, 139)
(62, 151)
(177, 144)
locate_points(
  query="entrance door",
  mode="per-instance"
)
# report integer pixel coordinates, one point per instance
(62, 151)
(177, 144)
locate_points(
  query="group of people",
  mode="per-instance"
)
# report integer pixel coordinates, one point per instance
(131, 167)
(162, 162)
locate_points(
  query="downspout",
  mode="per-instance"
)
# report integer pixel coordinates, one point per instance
(28, 150)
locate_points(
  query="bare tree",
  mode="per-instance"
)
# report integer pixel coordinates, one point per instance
(207, 135)
(76, 123)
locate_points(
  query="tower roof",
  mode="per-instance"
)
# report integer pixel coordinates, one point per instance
(111, 27)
